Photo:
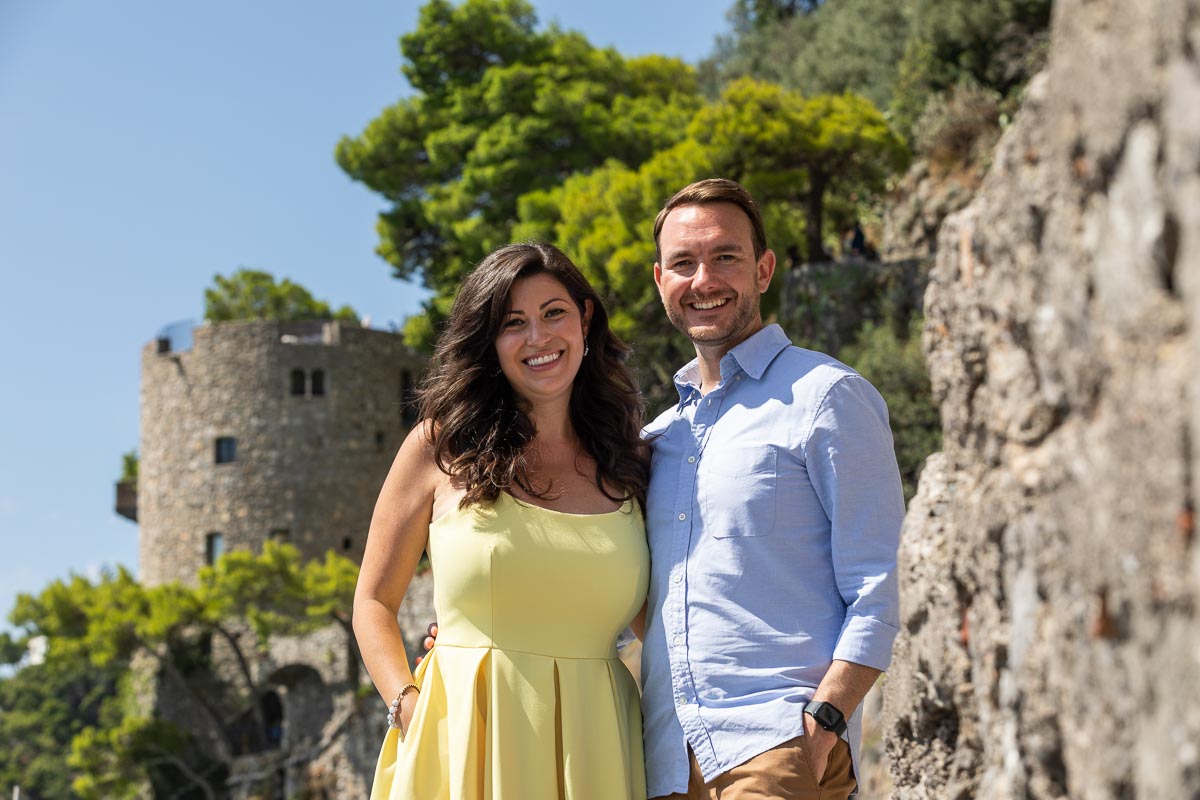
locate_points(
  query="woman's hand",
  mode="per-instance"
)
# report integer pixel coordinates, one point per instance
(430, 640)
(408, 706)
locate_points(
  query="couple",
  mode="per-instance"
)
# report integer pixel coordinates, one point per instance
(772, 510)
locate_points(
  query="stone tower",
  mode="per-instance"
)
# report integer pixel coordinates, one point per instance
(274, 431)
(267, 430)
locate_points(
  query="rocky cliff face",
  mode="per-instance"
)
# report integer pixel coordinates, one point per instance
(1050, 645)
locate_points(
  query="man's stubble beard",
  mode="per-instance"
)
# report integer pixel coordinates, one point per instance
(746, 312)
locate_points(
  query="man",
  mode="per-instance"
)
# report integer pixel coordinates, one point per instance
(773, 514)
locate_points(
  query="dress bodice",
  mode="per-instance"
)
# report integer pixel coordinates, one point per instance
(521, 577)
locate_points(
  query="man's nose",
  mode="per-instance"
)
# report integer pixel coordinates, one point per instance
(703, 274)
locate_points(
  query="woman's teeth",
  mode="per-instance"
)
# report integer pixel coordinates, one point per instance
(537, 361)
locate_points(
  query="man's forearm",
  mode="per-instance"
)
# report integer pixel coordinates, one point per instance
(845, 685)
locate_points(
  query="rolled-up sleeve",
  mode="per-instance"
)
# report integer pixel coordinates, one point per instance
(852, 466)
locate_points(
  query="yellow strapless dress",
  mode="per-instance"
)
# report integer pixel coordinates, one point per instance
(524, 698)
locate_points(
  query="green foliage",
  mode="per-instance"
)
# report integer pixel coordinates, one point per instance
(129, 467)
(42, 708)
(96, 632)
(502, 110)
(790, 149)
(455, 45)
(853, 46)
(127, 752)
(995, 44)
(899, 55)
(893, 362)
(841, 46)
(12, 649)
(758, 14)
(252, 294)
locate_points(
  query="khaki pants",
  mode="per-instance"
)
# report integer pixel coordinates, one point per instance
(782, 773)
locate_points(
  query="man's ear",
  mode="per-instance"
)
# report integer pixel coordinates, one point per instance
(765, 269)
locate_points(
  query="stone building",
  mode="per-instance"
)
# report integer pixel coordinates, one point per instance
(277, 431)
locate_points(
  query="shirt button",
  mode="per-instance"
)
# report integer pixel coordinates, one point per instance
(678, 640)
(682, 517)
(677, 577)
(691, 459)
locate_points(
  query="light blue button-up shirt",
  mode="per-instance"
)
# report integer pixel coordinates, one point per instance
(774, 515)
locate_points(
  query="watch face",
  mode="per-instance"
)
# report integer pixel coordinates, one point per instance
(827, 716)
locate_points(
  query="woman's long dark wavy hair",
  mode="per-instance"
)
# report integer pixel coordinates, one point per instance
(479, 433)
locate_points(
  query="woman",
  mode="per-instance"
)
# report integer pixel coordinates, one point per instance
(524, 481)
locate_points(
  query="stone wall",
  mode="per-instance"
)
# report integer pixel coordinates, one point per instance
(1050, 644)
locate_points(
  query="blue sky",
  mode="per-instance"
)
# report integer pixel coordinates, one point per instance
(146, 146)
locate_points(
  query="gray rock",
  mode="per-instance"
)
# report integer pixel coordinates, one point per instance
(1049, 645)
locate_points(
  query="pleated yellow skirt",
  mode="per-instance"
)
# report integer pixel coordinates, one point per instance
(523, 698)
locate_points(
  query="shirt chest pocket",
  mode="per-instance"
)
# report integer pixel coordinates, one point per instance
(737, 491)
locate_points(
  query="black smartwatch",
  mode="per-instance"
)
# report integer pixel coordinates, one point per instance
(826, 716)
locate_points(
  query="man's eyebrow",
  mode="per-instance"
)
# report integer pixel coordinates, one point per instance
(730, 246)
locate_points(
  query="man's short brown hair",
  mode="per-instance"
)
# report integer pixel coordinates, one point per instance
(715, 190)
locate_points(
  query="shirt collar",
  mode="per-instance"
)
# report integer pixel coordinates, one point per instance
(753, 356)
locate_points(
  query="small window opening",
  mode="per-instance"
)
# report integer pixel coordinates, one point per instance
(214, 548)
(298, 382)
(226, 449)
(347, 543)
(379, 440)
(318, 382)
(281, 536)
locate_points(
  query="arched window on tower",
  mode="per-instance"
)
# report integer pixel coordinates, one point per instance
(298, 382)
(318, 382)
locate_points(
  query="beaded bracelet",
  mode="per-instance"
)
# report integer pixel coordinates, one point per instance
(394, 709)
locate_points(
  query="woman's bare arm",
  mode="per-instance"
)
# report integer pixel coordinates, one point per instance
(399, 533)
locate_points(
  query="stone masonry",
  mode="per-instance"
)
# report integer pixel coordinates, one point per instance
(1050, 645)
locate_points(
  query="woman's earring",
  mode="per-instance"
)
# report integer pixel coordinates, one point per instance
(585, 348)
